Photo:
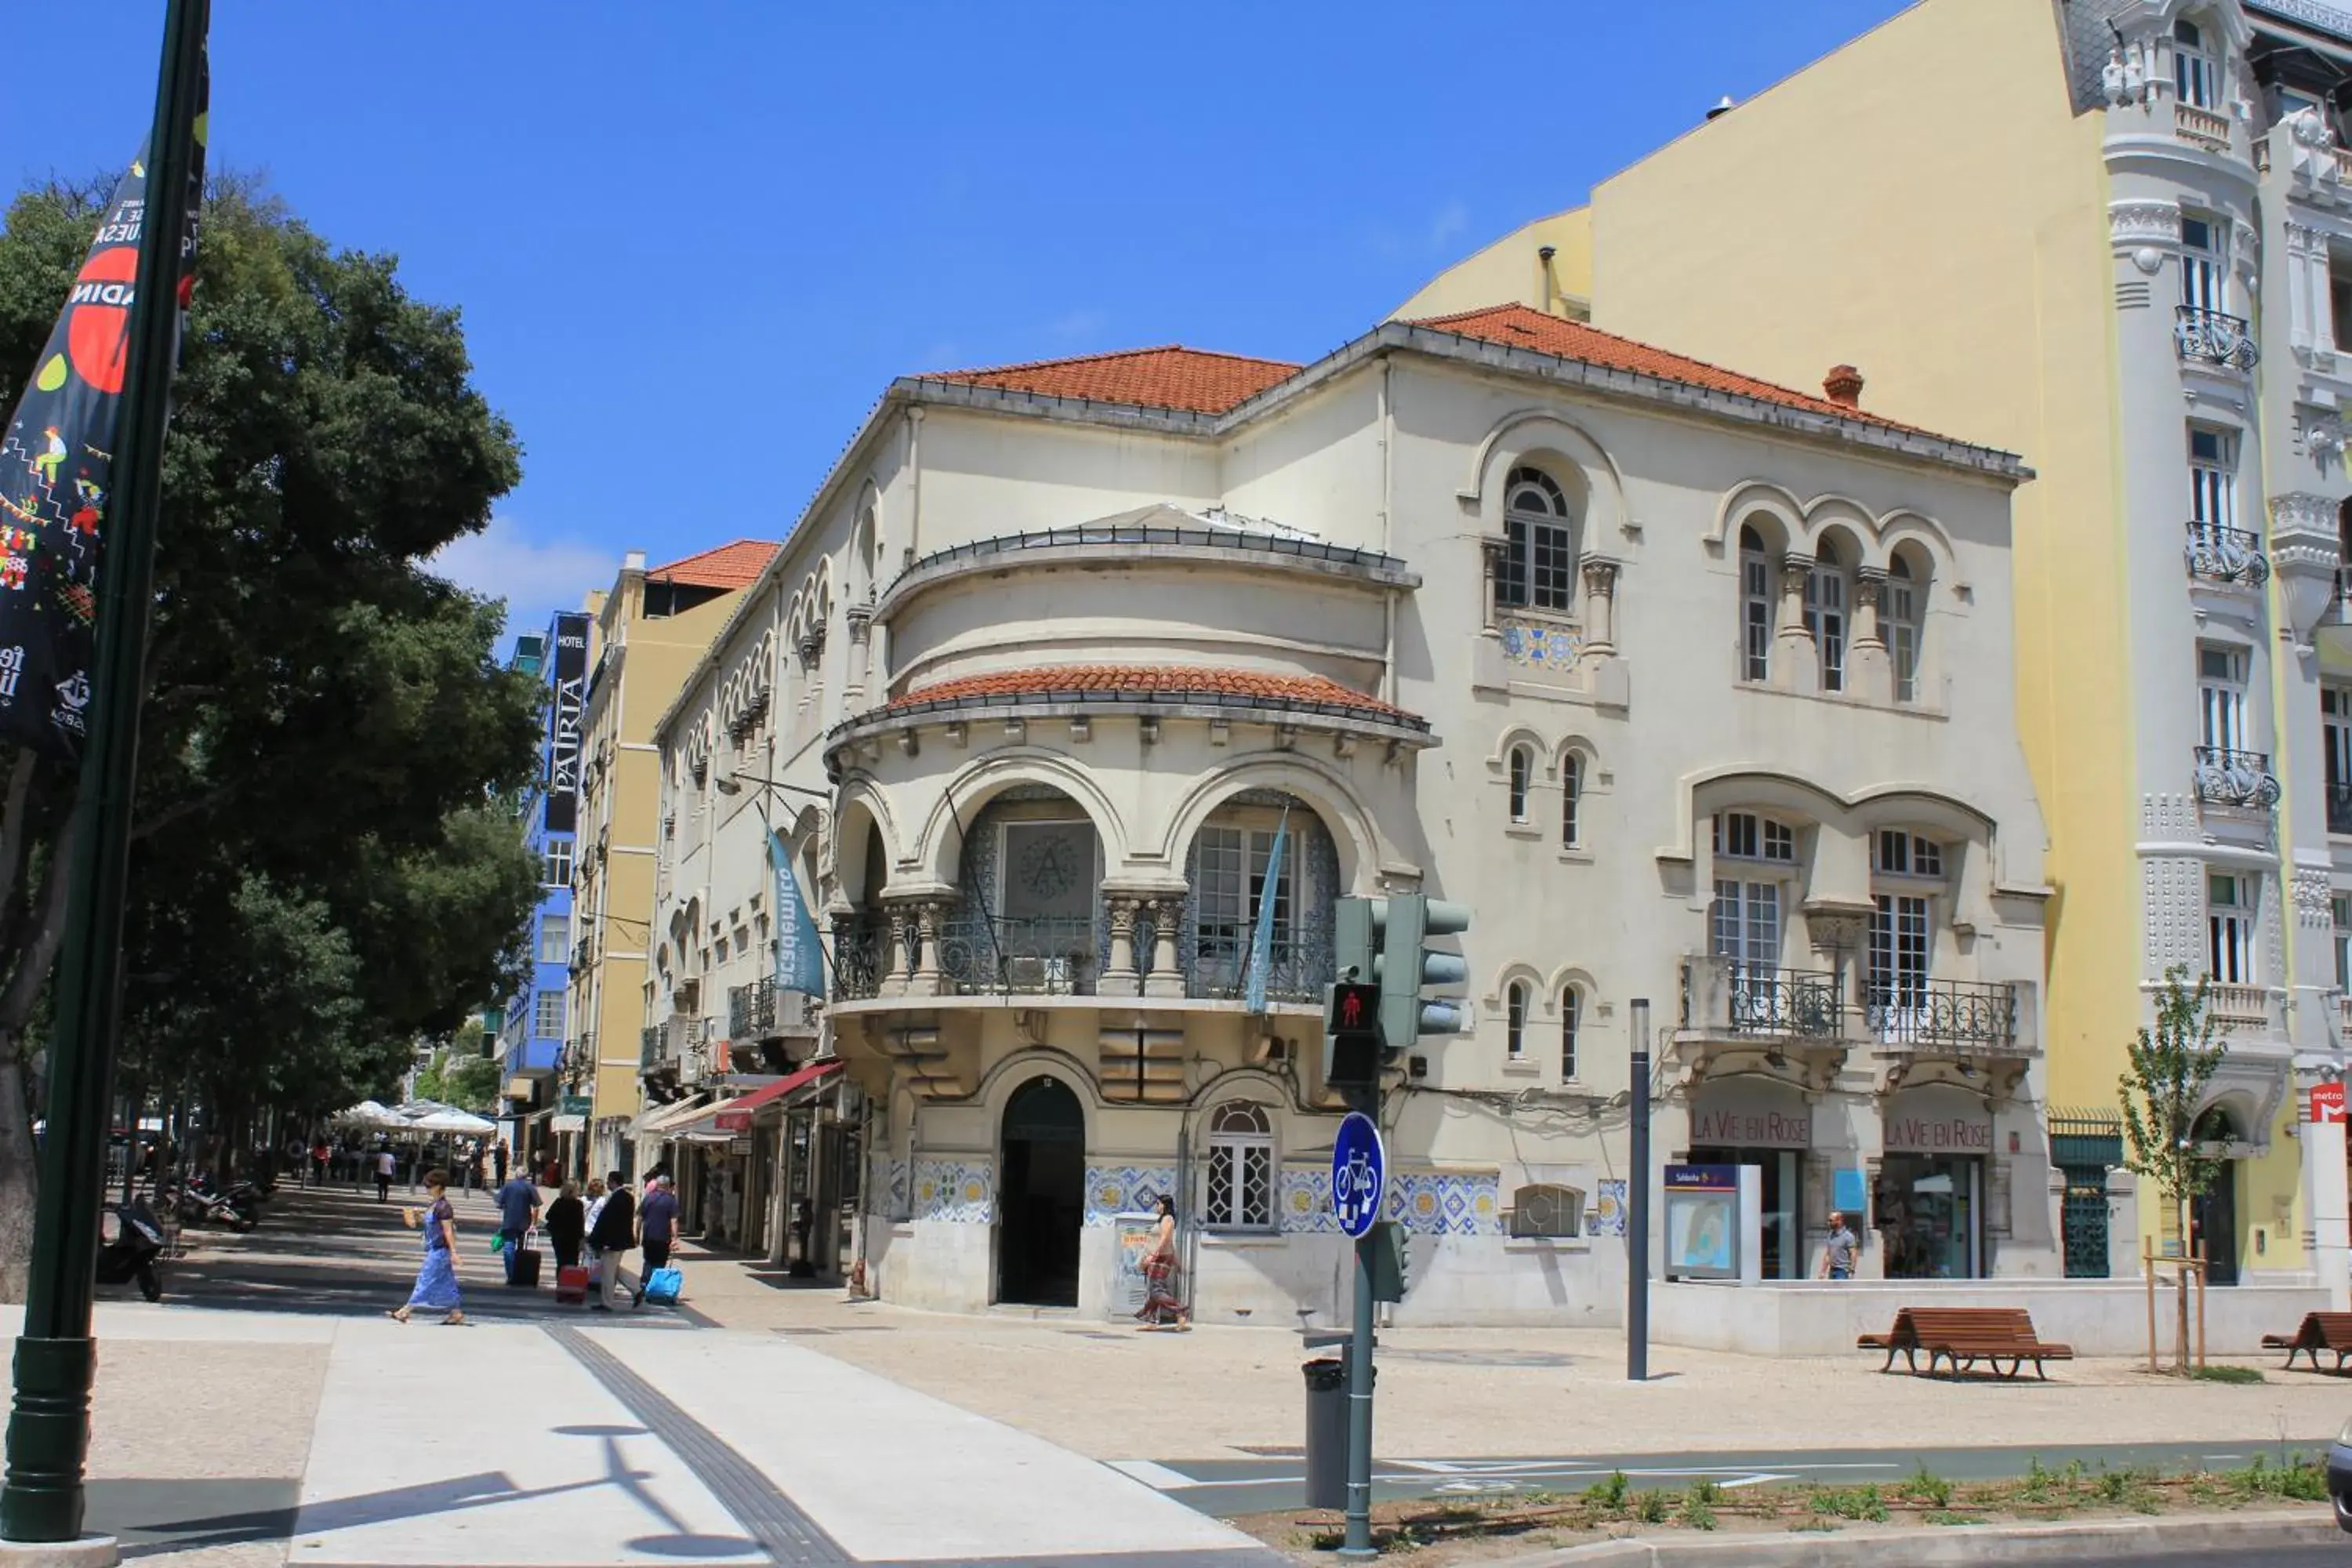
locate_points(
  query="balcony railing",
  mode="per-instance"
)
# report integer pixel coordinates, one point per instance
(649, 1048)
(2227, 777)
(2339, 808)
(1763, 1001)
(1299, 964)
(2238, 1006)
(2214, 336)
(1949, 1015)
(2226, 554)
(2201, 126)
(1032, 956)
(751, 1010)
(861, 957)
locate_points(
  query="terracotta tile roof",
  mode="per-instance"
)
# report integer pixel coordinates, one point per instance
(729, 566)
(1171, 376)
(1132, 680)
(1522, 326)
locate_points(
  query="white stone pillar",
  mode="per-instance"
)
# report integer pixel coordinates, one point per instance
(1796, 662)
(2326, 1204)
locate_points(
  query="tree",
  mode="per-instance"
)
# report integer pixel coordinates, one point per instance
(2162, 1095)
(320, 863)
(459, 1074)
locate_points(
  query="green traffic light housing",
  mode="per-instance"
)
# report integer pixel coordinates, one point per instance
(1382, 940)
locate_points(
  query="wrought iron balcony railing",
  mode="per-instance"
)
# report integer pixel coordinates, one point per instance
(1049, 955)
(2339, 808)
(751, 1010)
(1299, 964)
(2214, 336)
(2226, 554)
(861, 957)
(1951, 1014)
(2228, 777)
(1763, 1000)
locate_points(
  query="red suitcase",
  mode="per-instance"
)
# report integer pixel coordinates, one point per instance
(571, 1284)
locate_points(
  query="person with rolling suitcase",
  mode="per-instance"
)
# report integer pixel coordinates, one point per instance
(518, 1211)
(656, 1231)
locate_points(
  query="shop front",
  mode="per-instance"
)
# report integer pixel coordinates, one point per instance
(1929, 1197)
(1749, 1119)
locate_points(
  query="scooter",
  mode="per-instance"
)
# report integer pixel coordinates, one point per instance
(130, 1239)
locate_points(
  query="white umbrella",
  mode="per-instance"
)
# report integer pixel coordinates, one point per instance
(370, 1113)
(463, 1124)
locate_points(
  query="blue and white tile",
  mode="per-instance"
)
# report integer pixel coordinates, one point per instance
(956, 1191)
(1114, 1190)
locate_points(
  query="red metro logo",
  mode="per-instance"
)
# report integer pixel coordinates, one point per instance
(99, 316)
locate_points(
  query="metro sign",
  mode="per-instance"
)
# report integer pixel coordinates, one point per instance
(2328, 1102)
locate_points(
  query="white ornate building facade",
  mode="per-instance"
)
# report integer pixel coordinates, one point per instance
(1696, 689)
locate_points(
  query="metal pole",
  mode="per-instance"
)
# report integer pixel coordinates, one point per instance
(1357, 1543)
(49, 1427)
(1637, 1209)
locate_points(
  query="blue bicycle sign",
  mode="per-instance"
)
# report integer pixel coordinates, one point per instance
(1360, 1169)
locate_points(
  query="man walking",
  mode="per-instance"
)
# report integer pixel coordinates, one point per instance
(1838, 1255)
(518, 1211)
(656, 1229)
(498, 1159)
(384, 1169)
(612, 1236)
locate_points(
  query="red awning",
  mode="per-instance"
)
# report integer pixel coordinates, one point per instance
(735, 1115)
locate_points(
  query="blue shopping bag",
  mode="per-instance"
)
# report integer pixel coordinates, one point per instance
(662, 1287)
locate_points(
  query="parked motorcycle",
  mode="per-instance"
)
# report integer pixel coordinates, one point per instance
(130, 1239)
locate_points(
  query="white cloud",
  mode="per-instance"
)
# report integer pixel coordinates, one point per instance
(1451, 220)
(535, 577)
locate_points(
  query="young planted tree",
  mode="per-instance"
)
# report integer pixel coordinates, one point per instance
(2162, 1095)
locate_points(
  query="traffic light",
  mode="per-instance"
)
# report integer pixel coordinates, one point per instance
(1405, 967)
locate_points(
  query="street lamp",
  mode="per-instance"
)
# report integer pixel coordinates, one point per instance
(733, 783)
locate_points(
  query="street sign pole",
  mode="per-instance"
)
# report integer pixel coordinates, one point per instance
(49, 1424)
(1637, 1214)
(1359, 1190)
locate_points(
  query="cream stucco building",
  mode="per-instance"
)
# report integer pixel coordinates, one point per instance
(2115, 235)
(1695, 689)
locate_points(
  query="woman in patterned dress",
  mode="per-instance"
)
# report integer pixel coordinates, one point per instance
(436, 1276)
(1160, 1304)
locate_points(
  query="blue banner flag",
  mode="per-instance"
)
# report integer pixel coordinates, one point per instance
(800, 962)
(1261, 957)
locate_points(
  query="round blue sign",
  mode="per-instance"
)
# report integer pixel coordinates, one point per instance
(1360, 1174)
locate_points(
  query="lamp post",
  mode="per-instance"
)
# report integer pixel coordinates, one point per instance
(49, 1424)
(1637, 1215)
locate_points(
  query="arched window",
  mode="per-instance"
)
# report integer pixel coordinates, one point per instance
(1827, 594)
(1544, 1208)
(1571, 793)
(1523, 772)
(1755, 607)
(1903, 593)
(1538, 567)
(2196, 74)
(1515, 1017)
(1571, 1019)
(1241, 1169)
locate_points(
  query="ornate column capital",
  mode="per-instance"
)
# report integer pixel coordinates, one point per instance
(1600, 574)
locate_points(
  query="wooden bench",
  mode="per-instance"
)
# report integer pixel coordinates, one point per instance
(1959, 1337)
(2318, 1332)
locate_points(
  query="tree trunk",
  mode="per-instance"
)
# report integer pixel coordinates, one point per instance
(19, 1182)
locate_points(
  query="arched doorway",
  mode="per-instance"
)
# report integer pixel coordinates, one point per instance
(2213, 1216)
(1041, 1196)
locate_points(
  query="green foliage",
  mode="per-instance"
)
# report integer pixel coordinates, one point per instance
(1651, 1507)
(1865, 1502)
(1926, 1486)
(2299, 1479)
(2164, 1089)
(466, 1079)
(1611, 1493)
(2229, 1374)
(1697, 1513)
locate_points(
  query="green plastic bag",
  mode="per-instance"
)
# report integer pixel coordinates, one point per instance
(497, 1242)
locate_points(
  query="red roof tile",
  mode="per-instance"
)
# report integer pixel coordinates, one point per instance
(1521, 326)
(1171, 376)
(729, 566)
(1150, 680)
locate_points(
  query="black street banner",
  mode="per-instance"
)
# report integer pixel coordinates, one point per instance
(563, 729)
(54, 464)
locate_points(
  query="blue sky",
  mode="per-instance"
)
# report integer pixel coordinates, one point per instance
(694, 240)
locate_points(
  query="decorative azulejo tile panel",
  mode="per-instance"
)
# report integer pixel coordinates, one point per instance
(1533, 643)
(1304, 1201)
(959, 1192)
(1114, 1190)
(1448, 1203)
(1608, 1216)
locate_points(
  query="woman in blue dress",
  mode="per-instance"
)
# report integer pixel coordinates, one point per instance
(436, 1278)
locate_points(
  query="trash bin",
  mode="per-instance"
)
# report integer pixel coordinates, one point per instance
(1326, 1430)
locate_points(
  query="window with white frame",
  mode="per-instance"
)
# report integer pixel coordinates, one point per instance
(1899, 950)
(2196, 73)
(1755, 607)
(2221, 697)
(1899, 852)
(1523, 779)
(1516, 998)
(1240, 1179)
(2213, 478)
(2232, 904)
(1744, 835)
(1571, 801)
(1828, 590)
(1229, 882)
(1745, 923)
(1536, 569)
(547, 1015)
(554, 939)
(2204, 272)
(559, 863)
(1571, 1019)
(1547, 1209)
(1902, 631)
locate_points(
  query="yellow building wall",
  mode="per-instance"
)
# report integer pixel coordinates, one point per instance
(1512, 271)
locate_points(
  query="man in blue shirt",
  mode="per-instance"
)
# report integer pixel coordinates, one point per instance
(518, 1210)
(657, 1226)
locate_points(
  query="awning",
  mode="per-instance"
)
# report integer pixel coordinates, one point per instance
(661, 1117)
(735, 1115)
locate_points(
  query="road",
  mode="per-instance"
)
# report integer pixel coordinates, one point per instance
(1228, 1488)
(2310, 1557)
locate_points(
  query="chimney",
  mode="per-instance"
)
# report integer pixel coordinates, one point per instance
(1723, 108)
(635, 561)
(1844, 384)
